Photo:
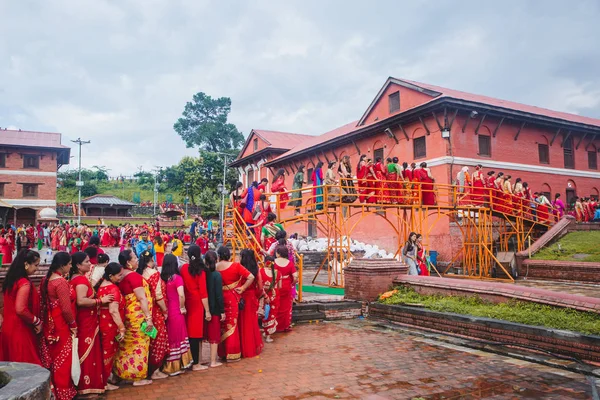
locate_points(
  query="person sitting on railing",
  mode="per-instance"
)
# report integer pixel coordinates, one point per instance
(296, 201)
(278, 187)
(333, 190)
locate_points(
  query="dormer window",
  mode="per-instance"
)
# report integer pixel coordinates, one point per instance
(255, 144)
(394, 100)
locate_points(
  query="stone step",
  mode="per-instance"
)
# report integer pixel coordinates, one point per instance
(307, 316)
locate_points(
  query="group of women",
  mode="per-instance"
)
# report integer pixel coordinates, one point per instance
(131, 322)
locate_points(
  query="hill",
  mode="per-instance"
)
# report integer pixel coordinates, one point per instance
(124, 190)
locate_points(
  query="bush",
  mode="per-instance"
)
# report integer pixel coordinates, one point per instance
(89, 189)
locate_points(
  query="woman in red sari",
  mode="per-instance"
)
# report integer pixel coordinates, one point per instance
(507, 187)
(479, 184)
(22, 324)
(421, 259)
(196, 302)
(262, 209)
(6, 248)
(59, 326)
(270, 282)
(105, 238)
(159, 346)
(262, 185)
(488, 196)
(112, 327)
(498, 193)
(278, 188)
(379, 184)
(250, 337)
(371, 183)
(232, 274)
(360, 176)
(427, 193)
(88, 326)
(288, 277)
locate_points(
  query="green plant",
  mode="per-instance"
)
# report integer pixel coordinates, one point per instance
(513, 311)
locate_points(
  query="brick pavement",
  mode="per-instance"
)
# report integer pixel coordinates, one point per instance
(358, 360)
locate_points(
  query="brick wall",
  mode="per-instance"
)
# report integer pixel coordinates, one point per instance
(366, 279)
(560, 270)
(584, 347)
(13, 188)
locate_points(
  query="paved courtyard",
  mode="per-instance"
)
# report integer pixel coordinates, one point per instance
(359, 360)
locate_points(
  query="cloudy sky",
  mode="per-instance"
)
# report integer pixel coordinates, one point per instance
(118, 72)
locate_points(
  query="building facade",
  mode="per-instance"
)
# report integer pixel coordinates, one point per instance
(29, 162)
(554, 152)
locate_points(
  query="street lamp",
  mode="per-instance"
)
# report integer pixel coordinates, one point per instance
(79, 182)
(187, 199)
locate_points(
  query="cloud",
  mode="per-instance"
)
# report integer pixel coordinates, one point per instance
(118, 73)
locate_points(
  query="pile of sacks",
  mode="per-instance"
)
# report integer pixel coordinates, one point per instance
(370, 251)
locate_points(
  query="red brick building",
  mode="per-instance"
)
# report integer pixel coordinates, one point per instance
(29, 162)
(554, 152)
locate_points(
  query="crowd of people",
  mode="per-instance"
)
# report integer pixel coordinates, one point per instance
(135, 321)
(392, 182)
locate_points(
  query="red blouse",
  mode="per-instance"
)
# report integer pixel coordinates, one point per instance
(130, 282)
(195, 290)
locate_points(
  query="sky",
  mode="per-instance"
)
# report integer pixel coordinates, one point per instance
(119, 72)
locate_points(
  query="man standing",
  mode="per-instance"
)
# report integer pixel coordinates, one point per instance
(193, 230)
(209, 227)
(144, 244)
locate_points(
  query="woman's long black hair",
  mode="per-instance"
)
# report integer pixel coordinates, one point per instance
(196, 265)
(362, 157)
(170, 267)
(16, 270)
(248, 260)
(112, 268)
(59, 260)
(271, 259)
(125, 256)
(280, 172)
(76, 259)
(145, 258)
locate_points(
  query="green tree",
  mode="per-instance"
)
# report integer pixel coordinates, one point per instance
(204, 124)
(101, 173)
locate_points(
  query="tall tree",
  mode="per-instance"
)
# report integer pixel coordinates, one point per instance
(204, 124)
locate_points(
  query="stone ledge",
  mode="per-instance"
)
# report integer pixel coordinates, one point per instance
(564, 343)
(570, 271)
(27, 382)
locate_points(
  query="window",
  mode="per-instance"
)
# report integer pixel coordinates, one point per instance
(568, 153)
(3, 160)
(485, 145)
(255, 144)
(30, 190)
(31, 161)
(570, 197)
(419, 148)
(394, 100)
(592, 159)
(309, 173)
(249, 177)
(378, 153)
(544, 153)
(2, 189)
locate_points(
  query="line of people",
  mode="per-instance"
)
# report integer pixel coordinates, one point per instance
(134, 323)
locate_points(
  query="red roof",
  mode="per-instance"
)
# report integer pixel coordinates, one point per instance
(316, 140)
(281, 140)
(457, 94)
(31, 139)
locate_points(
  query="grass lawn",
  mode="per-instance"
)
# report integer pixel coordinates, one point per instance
(585, 244)
(513, 311)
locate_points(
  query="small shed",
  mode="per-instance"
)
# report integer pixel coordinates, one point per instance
(102, 205)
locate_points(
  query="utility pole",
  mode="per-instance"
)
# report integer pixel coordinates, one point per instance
(187, 199)
(156, 172)
(223, 190)
(79, 182)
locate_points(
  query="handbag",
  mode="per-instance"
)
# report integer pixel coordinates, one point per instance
(242, 304)
(267, 311)
(75, 366)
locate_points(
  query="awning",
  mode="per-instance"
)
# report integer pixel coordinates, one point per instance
(5, 204)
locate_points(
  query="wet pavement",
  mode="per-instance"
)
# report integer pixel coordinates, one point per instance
(583, 289)
(360, 360)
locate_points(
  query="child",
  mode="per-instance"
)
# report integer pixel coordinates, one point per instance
(97, 271)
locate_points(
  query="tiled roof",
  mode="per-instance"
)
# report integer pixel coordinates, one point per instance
(101, 199)
(457, 94)
(281, 140)
(31, 139)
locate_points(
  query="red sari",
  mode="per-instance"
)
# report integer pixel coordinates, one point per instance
(57, 343)
(159, 347)
(393, 194)
(478, 192)
(6, 249)
(230, 347)
(421, 261)
(361, 172)
(250, 337)
(285, 295)
(278, 187)
(90, 350)
(427, 194)
(269, 323)
(109, 329)
(21, 310)
(379, 184)
(195, 290)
